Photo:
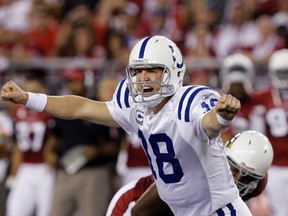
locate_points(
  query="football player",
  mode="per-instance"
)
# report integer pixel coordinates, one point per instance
(179, 127)
(250, 155)
(237, 75)
(270, 117)
(30, 168)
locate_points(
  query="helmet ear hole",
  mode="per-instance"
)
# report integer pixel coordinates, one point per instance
(179, 73)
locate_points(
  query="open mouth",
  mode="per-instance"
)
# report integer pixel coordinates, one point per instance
(147, 89)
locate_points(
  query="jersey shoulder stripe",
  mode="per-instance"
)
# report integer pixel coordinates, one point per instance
(122, 94)
(182, 100)
(185, 105)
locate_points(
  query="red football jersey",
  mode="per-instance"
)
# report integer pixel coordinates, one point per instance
(130, 194)
(133, 191)
(31, 129)
(272, 120)
(136, 154)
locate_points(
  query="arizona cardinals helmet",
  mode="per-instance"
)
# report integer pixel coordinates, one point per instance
(237, 68)
(250, 155)
(278, 69)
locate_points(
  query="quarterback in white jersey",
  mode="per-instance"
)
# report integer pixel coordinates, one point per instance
(250, 155)
(190, 170)
(179, 127)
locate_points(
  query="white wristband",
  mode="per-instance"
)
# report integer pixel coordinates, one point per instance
(36, 102)
(223, 121)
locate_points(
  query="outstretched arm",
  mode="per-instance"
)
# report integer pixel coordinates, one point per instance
(221, 116)
(67, 107)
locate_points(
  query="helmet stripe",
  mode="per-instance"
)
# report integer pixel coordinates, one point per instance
(143, 46)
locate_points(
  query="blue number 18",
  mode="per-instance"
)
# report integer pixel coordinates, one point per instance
(161, 158)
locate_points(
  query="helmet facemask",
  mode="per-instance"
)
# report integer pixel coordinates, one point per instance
(250, 155)
(237, 68)
(137, 88)
(280, 79)
(245, 180)
(154, 52)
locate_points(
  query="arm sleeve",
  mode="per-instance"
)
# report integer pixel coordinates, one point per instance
(120, 107)
(196, 103)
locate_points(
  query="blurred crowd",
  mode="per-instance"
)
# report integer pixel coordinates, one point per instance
(106, 30)
(96, 37)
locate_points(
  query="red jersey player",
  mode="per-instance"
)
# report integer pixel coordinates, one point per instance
(237, 76)
(270, 117)
(238, 79)
(32, 189)
(250, 155)
(131, 162)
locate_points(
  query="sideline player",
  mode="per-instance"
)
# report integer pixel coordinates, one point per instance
(250, 155)
(29, 163)
(190, 169)
(237, 77)
(270, 117)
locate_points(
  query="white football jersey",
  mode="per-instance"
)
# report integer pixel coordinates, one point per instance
(191, 171)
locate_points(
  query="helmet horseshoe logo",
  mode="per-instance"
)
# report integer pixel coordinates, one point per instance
(174, 58)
